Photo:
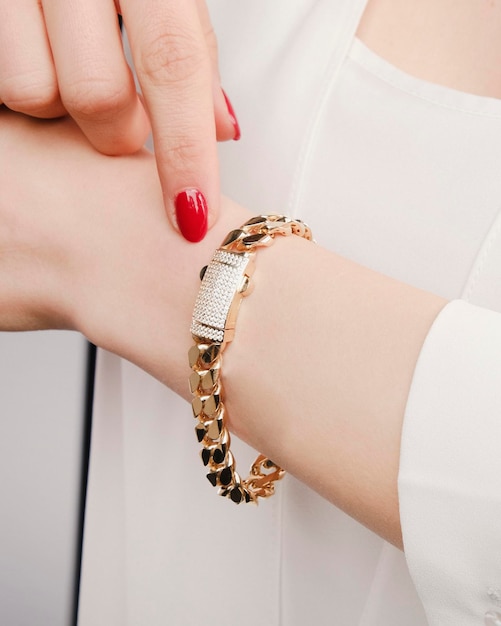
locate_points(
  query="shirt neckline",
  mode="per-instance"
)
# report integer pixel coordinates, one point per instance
(432, 92)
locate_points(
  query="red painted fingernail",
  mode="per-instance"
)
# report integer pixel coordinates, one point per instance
(191, 214)
(233, 117)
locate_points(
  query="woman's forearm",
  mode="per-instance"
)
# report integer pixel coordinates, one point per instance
(319, 372)
(318, 375)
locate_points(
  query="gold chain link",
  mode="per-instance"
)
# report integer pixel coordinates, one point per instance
(205, 360)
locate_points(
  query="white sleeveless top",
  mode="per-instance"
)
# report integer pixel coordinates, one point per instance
(402, 176)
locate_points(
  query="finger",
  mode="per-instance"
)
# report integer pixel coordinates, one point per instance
(227, 126)
(174, 69)
(28, 82)
(96, 85)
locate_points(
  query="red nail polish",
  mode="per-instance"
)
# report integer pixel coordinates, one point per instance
(191, 214)
(233, 117)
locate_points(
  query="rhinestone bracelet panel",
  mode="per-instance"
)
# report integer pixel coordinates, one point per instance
(221, 279)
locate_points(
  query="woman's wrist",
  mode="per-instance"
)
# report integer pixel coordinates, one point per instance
(135, 294)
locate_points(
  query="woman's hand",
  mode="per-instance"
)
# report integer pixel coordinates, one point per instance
(59, 56)
(83, 236)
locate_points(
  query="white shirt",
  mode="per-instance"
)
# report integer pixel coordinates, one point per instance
(399, 175)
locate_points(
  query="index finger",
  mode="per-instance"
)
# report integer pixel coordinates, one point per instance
(174, 69)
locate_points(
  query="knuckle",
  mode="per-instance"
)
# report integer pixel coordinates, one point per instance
(170, 58)
(96, 97)
(31, 93)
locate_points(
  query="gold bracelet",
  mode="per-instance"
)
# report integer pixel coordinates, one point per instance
(224, 282)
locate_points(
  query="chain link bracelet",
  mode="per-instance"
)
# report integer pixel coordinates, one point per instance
(225, 281)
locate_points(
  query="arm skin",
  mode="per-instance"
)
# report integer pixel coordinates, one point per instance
(328, 345)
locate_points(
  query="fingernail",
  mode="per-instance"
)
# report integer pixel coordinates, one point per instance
(233, 117)
(191, 214)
